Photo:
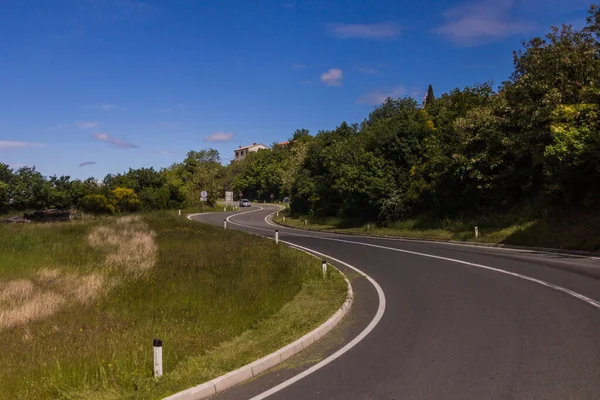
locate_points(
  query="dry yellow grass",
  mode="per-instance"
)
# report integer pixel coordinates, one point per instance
(129, 244)
(36, 306)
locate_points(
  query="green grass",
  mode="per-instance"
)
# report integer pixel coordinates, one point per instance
(218, 300)
(560, 230)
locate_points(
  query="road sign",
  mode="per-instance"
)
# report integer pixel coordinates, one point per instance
(203, 195)
(229, 198)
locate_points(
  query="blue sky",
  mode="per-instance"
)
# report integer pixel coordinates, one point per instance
(114, 84)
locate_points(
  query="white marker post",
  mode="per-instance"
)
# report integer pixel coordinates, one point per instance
(276, 236)
(278, 213)
(158, 367)
(225, 209)
(224, 224)
(305, 222)
(368, 227)
(476, 232)
(179, 212)
(324, 266)
(284, 218)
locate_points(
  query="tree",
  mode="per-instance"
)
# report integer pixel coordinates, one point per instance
(429, 97)
(125, 199)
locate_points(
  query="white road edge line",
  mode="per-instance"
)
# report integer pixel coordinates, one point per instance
(348, 346)
(210, 388)
(569, 292)
(435, 242)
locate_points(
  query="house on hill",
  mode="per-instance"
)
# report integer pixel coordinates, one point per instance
(242, 152)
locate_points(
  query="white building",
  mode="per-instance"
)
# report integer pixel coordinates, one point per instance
(242, 152)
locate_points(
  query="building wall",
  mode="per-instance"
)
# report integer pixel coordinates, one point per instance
(242, 152)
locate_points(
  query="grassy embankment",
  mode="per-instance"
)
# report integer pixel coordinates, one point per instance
(559, 230)
(80, 303)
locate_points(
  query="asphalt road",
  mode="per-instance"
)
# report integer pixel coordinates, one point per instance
(460, 322)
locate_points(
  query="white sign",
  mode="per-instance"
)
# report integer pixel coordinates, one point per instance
(229, 198)
(203, 195)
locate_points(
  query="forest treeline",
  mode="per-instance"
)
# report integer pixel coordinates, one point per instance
(533, 142)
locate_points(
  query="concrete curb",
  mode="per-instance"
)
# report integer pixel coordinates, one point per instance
(458, 242)
(261, 365)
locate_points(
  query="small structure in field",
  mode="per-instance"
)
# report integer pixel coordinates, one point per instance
(48, 215)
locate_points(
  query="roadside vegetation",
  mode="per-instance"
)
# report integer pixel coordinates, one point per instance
(80, 303)
(573, 231)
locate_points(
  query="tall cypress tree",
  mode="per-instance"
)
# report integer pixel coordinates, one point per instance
(429, 97)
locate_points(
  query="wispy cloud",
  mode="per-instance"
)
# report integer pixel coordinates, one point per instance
(473, 24)
(122, 144)
(219, 137)
(83, 164)
(168, 125)
(379, 96)
(163, 152)
(298, 66)
(86, 124)
(333, 77)
(8, 144)
(370, 71)
(105, 107)
(386, 30)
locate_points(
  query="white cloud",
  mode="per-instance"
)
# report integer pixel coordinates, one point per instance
(370, 71)
(86, 124)
(7, 144)
(472, 24)
(122, 144)
(333, 77)
(219, 137)
(386, 30)
(379, 96)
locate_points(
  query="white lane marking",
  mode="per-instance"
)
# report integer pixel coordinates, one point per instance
(579, 296)
(348, 346)
(569, 292)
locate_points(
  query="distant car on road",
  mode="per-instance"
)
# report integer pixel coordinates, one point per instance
(244, 203)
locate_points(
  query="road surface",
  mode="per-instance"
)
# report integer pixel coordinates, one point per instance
(459, 322)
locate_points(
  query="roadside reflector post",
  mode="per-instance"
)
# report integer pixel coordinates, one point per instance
(179, 212)
(284, 218)
(225, 209)
(276, 236)
(305, 222)
(368, 227)
(278, 213)
(158, 367)
(324, 266)
(476, 232)
(224, 224)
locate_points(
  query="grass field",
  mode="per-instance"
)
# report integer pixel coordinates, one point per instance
(80, 303)
(559, 230)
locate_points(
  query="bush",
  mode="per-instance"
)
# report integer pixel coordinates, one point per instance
(98, 204)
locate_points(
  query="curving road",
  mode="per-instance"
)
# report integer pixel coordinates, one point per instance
(458, 322)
